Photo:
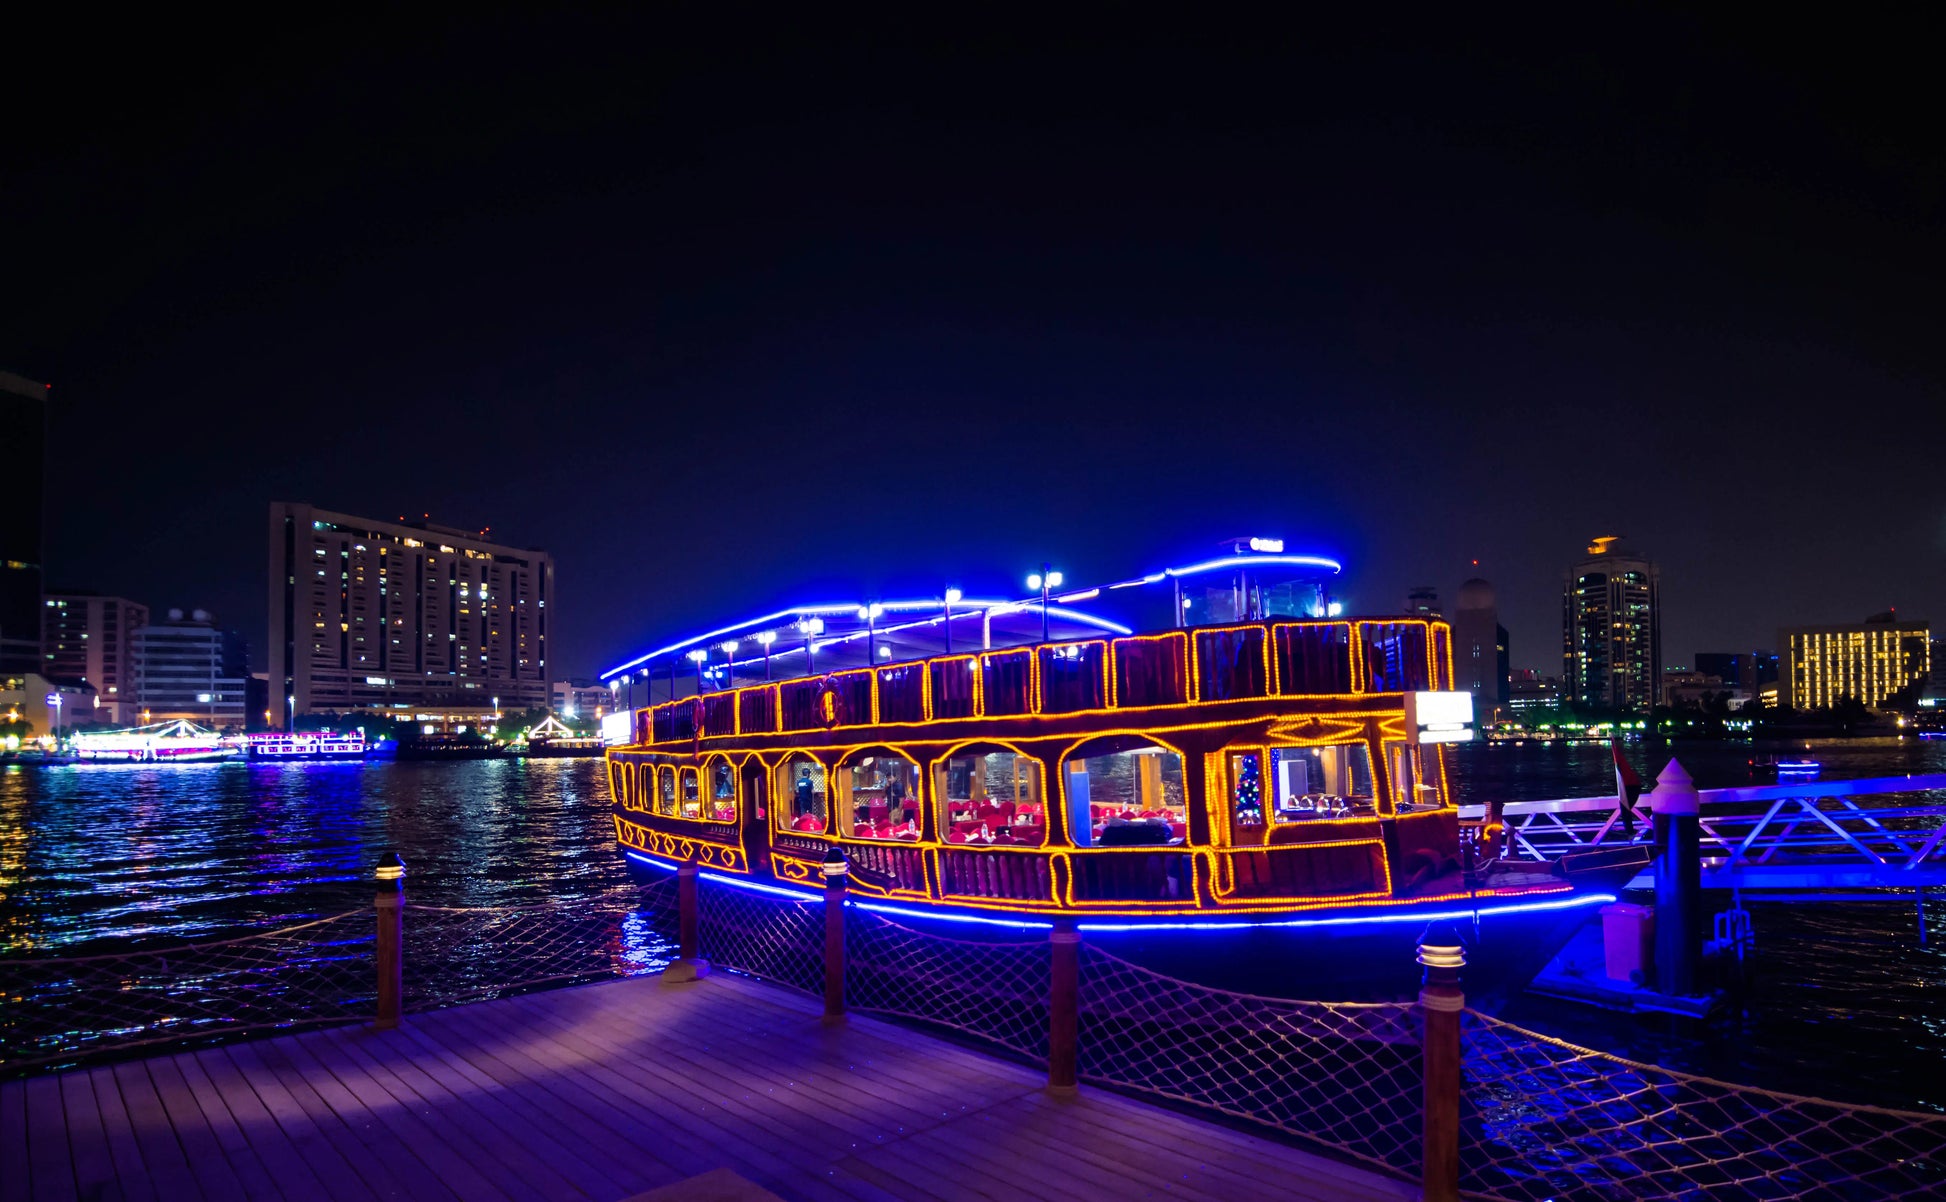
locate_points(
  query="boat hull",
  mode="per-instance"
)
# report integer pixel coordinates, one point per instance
(1352, 953)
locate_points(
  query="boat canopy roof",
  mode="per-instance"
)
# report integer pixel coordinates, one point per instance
(1250, 578)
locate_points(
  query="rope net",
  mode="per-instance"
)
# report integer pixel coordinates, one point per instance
(768, 935)
(995, 990)
(1543, 1119)
(456, 954)
(55, 1010)
(1343, 1074)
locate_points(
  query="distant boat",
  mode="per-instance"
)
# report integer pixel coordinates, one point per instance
(1770, 767)
(447, 747)
(179, 742)
(554, 739)
(286, 745)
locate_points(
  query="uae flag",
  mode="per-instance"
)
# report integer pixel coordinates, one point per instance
(1628, 787)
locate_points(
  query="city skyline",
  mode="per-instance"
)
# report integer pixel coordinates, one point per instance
(743, 328)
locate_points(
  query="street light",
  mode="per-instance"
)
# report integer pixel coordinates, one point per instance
(952, 595)
(730, 664)
(870, 614)
(293, 704)
(697, 657)
(1046, 580)
(764, 640)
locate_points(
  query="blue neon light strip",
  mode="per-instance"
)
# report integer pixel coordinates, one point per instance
(651, 860)
(759, 887)
(951, 916)
(1585, 899)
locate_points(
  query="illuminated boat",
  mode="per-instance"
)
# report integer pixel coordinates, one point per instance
(1209, 769)
(179, 742)
(282, 746)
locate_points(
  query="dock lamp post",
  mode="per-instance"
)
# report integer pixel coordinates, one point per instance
(764, 640)
(697, 657)
(1046, 580)
(952, 595)
(730, 664)
(291, 701)
(54, 700)
(812, 627)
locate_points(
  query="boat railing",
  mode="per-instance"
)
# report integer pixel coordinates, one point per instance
(1865, 833)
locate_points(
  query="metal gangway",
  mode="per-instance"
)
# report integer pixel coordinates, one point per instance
(1817, 839)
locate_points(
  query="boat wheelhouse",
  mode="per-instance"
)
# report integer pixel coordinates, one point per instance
(1056, 763)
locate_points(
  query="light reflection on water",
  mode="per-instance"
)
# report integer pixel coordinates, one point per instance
(100, 857)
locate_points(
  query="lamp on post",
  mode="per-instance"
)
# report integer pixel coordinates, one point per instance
(292, 700)
(869, 614)
(952, 595)
(764, 640)
(730, 664)
(1046, 580)
(697, 657)
(812, 627)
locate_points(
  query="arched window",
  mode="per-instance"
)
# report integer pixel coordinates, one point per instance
(722, 792)
(801, 794)
(879, 796)
(1125, 793)
(1333, 781)
(665, 791)
(991, 796)
(692, 794)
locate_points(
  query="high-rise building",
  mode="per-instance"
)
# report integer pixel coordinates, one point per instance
(399, 616)
(185, 667)
(23, 482)
(1733, 668)
(1611, 629)
(1422, 601)
(581, 697)
(1480, 647)
(1869, 661)
(85, 637)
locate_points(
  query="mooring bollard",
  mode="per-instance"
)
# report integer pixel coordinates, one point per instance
(390, 907)
(836, 867)
(1063, 1007)
(1678, 880)
(688, 964)
(1441, 1000)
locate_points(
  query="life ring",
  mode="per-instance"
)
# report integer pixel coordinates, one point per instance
(831, 703)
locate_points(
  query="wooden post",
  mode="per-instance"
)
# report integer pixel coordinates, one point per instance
(1441, 1001)
(390, 907)
(836, 867)
(688, 965)
(1678, 881)
(1063, 1007)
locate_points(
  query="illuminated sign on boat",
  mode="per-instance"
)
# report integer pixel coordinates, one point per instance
(1439, 717)
(617, 728)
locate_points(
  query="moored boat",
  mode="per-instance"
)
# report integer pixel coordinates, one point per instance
(178, 742)
(1257, 793)
(281, 746)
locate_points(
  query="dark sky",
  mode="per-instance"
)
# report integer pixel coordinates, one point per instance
(732, 316)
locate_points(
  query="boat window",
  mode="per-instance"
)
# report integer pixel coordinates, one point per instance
(665, 798)
(881, 797)
(991, 798)
(1310, 783)
(692, 794)
(1246, 788)
(801, 796)
(723, 792)
(1232, 663)
(1127, 798)
(1395, 656)
(641, 792)
(1417, 774)
(1073, 677)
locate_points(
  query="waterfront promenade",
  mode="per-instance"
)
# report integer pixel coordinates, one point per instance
(613, 1090)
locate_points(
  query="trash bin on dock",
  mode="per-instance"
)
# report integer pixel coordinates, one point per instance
(1628, 941)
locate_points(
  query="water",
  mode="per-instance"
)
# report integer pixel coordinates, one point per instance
(1845, 1003)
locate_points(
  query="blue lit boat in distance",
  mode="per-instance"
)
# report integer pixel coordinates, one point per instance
(283, 746)
(1209, 770)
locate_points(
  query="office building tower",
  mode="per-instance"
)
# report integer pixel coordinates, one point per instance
(23, 481)
(1423, 602)
(1480, 647)
(185, 667)
(85, 637)
(1870, 661)
(397, 617)
(1737, 669)
(1611, 629)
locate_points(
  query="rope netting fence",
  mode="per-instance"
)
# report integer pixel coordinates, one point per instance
(60, 1010)
(1343, 1074)
(1544, 1119)
(1540, 1118)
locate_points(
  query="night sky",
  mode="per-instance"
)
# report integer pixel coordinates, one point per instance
(736, 316)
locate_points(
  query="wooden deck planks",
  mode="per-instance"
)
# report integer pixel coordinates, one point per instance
(605, 1091)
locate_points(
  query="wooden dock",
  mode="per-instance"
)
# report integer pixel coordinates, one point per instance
(719, 1089)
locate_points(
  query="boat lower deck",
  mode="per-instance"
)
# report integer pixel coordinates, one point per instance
(605, 1091)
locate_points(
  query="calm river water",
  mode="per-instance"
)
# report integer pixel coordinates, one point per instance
(1845, 1003)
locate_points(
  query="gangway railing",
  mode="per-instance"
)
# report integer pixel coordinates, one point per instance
(1871, 833)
